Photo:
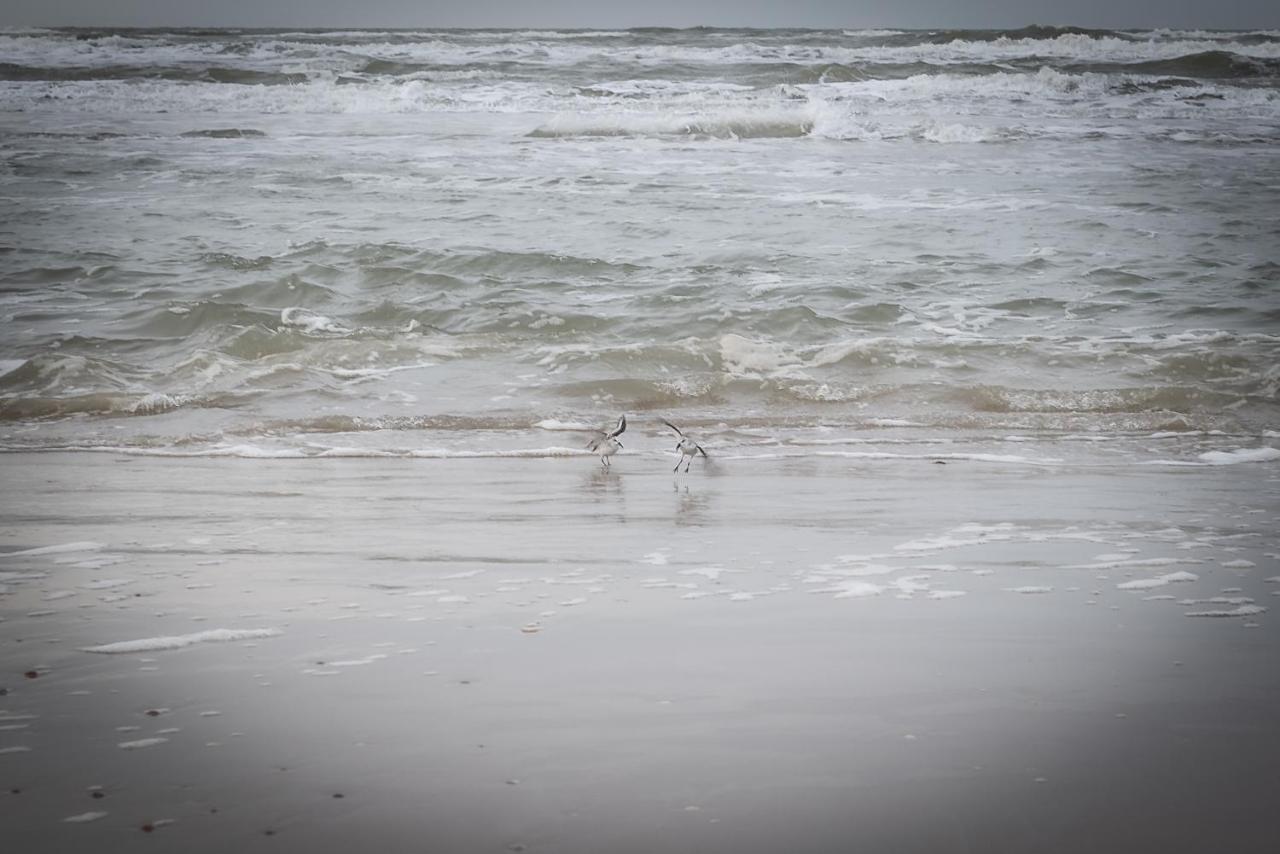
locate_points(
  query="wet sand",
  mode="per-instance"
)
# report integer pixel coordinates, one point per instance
(537, 655)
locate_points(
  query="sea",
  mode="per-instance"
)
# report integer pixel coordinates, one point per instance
(1033, 247)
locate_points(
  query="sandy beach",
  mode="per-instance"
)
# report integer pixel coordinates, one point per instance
(304, 334)
(538, 655)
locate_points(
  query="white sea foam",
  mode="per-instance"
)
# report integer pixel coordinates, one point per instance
(142, 743)
(1158, 581)
(1240, 611)
(747, 357)
(848, 589)
(557, 424)
(310, 321)
(156, 402)
(964, 535)
(1241, 455)
(157, 644)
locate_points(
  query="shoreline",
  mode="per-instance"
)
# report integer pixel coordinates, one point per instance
(535, 655)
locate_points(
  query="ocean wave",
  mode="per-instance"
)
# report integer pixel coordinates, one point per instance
(1167, 399)
(18, 72)
(231, 261)
(1236, 456)
(735, 448)
(224, 133)
(837, 103)
(1243, 36)
(311, 322)
(679, 234)
(765, 123)
(67, 373)
(543, 311)
(35, 408)
(185, 319)
(1202, 65)
(287, 58)
(1033, 32)
(875, 33)
(1068, 48)
(778, 124)
(36, 278)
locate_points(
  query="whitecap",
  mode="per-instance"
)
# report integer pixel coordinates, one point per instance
(1241, 455)
(310, 321)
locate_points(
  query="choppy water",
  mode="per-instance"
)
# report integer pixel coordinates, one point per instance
(1035, 245)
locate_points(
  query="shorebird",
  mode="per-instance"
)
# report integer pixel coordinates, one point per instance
(687, 447)
(607, 444)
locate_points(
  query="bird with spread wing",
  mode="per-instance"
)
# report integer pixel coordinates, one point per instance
(687, 447)
(607, 444)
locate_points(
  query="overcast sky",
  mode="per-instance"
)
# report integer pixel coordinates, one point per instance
(1219, 14)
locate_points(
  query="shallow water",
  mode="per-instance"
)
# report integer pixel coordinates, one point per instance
(1042, 245)
(533, 655)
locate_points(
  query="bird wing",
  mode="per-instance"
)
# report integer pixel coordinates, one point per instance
(701, 451)
(620, 429)
(672, 426)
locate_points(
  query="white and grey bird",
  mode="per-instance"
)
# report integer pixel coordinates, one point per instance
(687, 447)
(607, 444)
